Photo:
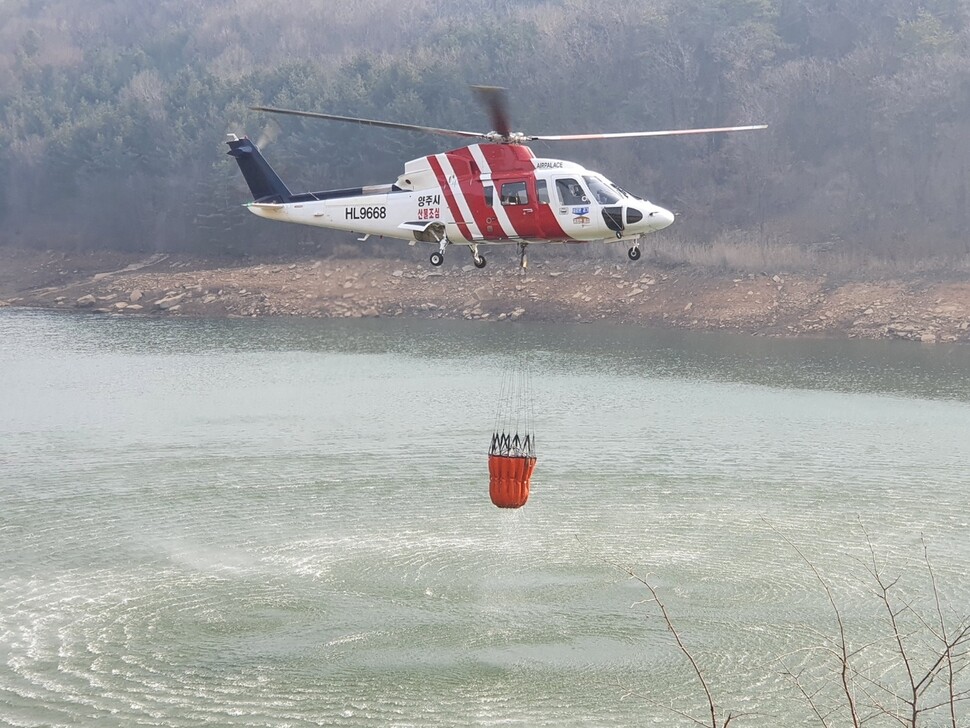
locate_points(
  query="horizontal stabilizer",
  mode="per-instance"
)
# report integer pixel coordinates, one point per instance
(418, 226)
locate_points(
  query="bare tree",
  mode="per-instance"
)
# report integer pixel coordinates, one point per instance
(911, 673)
(920, 657)
(713, 720)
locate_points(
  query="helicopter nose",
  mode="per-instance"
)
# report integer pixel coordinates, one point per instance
(659, 218)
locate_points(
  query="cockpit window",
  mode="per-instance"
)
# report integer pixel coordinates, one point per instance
(602, 192)
(623, 192)
(571, 192)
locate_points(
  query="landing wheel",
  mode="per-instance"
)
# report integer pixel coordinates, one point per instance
(479, 261)
(437, 259)
(634, 253)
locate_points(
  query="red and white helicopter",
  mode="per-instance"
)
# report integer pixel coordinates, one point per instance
(496, 192)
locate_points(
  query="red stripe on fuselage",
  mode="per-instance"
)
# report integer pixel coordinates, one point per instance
(473, 191)
(442, 177)
(515, 161)
(505, 162)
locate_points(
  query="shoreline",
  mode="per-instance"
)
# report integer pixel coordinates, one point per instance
(554, 291)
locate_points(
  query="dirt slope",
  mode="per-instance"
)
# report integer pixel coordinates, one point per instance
(556, 291)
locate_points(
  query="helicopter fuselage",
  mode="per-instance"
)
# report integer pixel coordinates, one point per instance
(483, 193)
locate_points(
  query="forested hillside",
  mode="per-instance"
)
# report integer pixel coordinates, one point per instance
(113, 113)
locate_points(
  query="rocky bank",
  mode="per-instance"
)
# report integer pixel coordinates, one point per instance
(761, 303)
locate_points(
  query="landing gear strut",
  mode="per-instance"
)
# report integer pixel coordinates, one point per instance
(439, 257)
(478, 260)
(523, 260)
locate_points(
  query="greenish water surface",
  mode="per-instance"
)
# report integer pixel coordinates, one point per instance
(287, 522)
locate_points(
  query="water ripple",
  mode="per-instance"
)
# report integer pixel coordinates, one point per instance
(254, 525)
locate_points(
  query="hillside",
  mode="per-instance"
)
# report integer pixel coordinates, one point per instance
(117, 111)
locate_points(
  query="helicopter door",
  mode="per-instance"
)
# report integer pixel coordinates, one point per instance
(572, 205)
(525, 208)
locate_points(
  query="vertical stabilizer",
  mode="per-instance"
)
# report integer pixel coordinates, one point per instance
(263, 182)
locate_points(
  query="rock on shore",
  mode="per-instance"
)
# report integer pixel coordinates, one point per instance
(762, 303)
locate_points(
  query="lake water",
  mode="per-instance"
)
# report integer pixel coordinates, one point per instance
(287, 523)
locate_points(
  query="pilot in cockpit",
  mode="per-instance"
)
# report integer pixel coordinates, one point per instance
(571, 192)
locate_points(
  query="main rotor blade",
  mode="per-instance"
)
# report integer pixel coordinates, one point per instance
(493, 98)
(372, 122)
(631, 134)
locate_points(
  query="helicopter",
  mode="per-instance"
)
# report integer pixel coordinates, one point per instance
(492, 192)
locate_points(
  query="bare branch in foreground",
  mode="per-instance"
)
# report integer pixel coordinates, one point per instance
(917, 680)
(843, 644)
(712, 707)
